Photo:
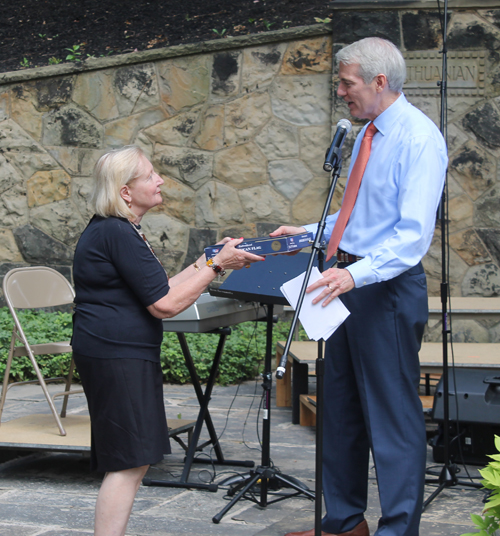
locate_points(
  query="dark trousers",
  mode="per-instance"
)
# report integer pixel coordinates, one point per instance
(371, 401)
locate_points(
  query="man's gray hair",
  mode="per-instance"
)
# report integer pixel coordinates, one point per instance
(376, 56)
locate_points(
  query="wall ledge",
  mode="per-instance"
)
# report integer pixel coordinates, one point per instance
(215, 45)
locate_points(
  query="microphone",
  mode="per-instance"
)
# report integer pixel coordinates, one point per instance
(333, 154)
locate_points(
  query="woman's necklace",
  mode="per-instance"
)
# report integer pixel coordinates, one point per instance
(143, 236)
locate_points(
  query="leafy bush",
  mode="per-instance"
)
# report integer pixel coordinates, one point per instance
(488, 523)
(242, 359)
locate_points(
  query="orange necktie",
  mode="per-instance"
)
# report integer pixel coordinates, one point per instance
(352, 189)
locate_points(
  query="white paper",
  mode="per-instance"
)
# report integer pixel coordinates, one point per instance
(319, 322)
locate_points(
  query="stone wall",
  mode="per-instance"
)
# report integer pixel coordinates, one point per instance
(238, 129)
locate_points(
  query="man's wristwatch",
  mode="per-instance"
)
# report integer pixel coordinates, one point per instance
(216, 268)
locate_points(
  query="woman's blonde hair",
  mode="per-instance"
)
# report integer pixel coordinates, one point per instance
(112, 171)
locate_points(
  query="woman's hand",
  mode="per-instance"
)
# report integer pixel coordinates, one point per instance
(335, 282)
(230, 258)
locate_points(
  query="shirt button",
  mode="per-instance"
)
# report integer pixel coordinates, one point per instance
(364, 282)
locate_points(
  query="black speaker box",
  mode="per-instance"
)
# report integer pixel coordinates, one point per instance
(474, 414)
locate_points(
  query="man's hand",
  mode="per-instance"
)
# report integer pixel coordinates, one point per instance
(288, 230)
(335, 282)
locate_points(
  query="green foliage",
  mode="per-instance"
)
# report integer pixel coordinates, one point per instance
(74, 54)
(54, 61)
(24, 63)
(40, 327)
(242, 359)
(489, 522)
(267, 24)
(221, 33)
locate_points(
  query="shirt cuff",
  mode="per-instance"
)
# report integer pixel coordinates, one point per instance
(361, 273)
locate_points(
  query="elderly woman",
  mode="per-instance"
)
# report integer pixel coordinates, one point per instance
(122, 293)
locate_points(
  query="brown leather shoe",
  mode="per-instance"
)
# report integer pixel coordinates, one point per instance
(359, 530)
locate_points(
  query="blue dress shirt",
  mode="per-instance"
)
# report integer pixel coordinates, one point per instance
(393, 220)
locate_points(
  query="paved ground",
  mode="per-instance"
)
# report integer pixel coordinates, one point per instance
(47, 494)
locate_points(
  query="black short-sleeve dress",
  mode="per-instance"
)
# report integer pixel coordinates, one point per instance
(116, 344)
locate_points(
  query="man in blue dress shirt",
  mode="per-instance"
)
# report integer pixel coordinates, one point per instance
(372, 368)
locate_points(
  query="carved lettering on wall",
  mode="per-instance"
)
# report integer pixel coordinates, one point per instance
(465, 73)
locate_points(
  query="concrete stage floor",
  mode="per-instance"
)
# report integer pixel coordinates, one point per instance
(53, 494)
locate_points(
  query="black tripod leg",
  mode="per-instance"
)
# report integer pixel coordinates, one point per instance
(236, 498)
(287, 481)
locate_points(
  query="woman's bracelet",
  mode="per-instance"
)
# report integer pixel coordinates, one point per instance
(196, 267)
(216, 268)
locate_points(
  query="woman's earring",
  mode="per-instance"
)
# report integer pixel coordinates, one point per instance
(129, 205)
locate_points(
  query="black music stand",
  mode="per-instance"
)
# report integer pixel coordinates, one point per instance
(262, 282)
(203, 417)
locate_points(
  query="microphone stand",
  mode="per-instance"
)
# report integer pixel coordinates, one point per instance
(320, 362)
(447, 478)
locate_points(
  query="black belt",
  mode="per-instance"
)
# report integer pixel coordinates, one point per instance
(346, 258)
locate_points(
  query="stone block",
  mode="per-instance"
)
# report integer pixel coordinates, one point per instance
(210, 136)
(302, 100)
(432, 262)
(38, 247)
(289, 176)
(198, 240)
(73, 127)
(459, 106)
(469, 331)
(278, 140)
(178, 201)
(9, 252)
(191, 166)
(94, 93)
(177, 130)
(226, 74)
(263, 203)
(24, 111)
(308, 56)
(76, 160)
(309, 204)
(170, 259)
(487, 210)
(460, 213)
(136, 88)
(124, 131)
(246, 230)
(218, 205)
(4, 105)
(14, 138)
(81, 188)
(60, 220)
(456, 138)
(470, 247)
(164, 232)
(314, 142)
(351, 26)
(245, 116)
(431, 106)
(184, 82)
(468, 31)
(484, 122)
(421, 30)
(482, 280)
(48, 186)
(260, 65)
(53, 92)
(491, 240)
(474, 169)
(241, 166)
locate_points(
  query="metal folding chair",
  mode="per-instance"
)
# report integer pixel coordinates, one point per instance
(33, 288)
